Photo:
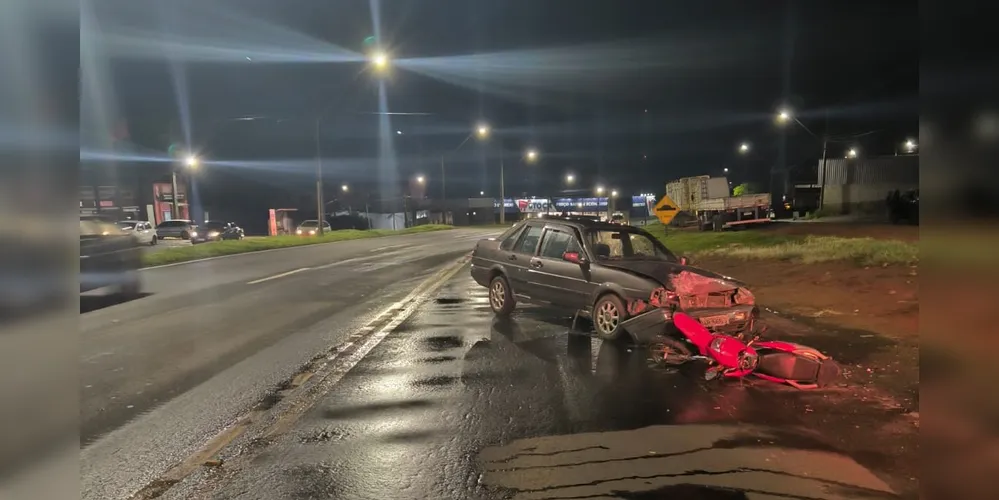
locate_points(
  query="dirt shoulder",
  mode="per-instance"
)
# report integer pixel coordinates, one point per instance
(881, 300)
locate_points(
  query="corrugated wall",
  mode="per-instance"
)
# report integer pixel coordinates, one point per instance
(901, 170)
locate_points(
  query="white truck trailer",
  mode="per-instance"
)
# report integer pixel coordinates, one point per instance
(709, 200)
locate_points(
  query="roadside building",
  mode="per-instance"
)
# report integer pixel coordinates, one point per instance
(861, 185)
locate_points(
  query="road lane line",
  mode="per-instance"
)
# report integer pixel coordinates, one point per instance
(390, 247)
(276, 276)
(299, 399)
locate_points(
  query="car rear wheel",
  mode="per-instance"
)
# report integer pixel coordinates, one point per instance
(608, 314)
(500, 297)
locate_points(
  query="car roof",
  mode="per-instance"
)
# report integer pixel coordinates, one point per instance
(583, 223)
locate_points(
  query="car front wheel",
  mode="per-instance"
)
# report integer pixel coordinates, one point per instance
(500, 297)
(608, 314)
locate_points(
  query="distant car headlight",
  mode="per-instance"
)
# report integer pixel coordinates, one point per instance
(298, 231)
(312, 231)
(213, 234)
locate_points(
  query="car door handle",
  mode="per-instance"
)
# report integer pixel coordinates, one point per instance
(512, 257)
(537, 264)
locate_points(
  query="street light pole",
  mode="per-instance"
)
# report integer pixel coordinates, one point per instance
(502, 187)
(176, 205)
(443, 182)
(319, 182)
(822, 177)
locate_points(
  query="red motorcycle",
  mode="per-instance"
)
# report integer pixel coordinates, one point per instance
(788, 363)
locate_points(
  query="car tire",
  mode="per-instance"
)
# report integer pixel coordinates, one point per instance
(608, 314)
(185, 235)
(501, 299)
(152, 241)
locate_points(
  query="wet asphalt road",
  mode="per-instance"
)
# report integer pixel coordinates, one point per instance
(161, 374)
(455, 404)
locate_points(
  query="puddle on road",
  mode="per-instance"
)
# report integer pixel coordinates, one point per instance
(443, 343)
(437, 381)
(438, 359)
(375, 408)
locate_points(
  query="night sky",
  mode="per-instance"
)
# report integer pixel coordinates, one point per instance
(625, 94)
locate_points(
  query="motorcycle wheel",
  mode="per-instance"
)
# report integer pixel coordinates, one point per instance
(667, 351)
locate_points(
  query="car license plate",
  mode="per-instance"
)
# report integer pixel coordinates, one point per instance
(715, 320)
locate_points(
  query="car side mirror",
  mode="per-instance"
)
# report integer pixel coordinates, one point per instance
(684, 261)
(575, 257)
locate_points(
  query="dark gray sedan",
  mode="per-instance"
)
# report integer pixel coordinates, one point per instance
(620, 276)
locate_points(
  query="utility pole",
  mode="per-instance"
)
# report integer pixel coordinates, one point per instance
(502, 187)
(319, 181)
(822, 170)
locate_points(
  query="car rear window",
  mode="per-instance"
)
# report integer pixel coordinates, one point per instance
(510, 236)
(529, 241)
(173, 223)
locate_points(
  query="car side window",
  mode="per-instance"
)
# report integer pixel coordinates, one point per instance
(557, 242)
(529, 240)
(510, 240)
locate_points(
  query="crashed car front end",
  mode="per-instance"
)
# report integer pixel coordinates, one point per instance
(722, 305)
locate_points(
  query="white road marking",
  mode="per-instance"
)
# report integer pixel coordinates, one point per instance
(390, 247)
(276, 276)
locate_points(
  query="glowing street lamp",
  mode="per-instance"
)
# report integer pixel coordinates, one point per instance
(600, 190)
(784, 116)
(614, 193)
(570, 178)
(910, 145)
(725, 170)
(482, 131)
(192, 161)
(345, 188)
(420, 179)
(380, 60)
(744, 148)
(531, 155)
(482, 193)
(852, 153)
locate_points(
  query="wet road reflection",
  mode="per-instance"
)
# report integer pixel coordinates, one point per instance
(457, 404)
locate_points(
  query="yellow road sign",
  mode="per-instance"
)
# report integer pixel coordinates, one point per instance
(666, 209)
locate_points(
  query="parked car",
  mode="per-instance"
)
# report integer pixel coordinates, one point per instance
(109, 257)
(177, 228)
(142, 230)
(311, 227)
(607, 272)
(217, 231)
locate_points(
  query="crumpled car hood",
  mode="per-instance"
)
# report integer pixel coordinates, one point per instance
(684, 280)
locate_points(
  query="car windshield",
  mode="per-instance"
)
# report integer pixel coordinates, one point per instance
(310, 223)
(214, 226)
(616, 245)
(174, 223)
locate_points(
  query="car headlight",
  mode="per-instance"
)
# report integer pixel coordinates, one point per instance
(299, 231)
(213, 234)
(313, 231)
(194, 234)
